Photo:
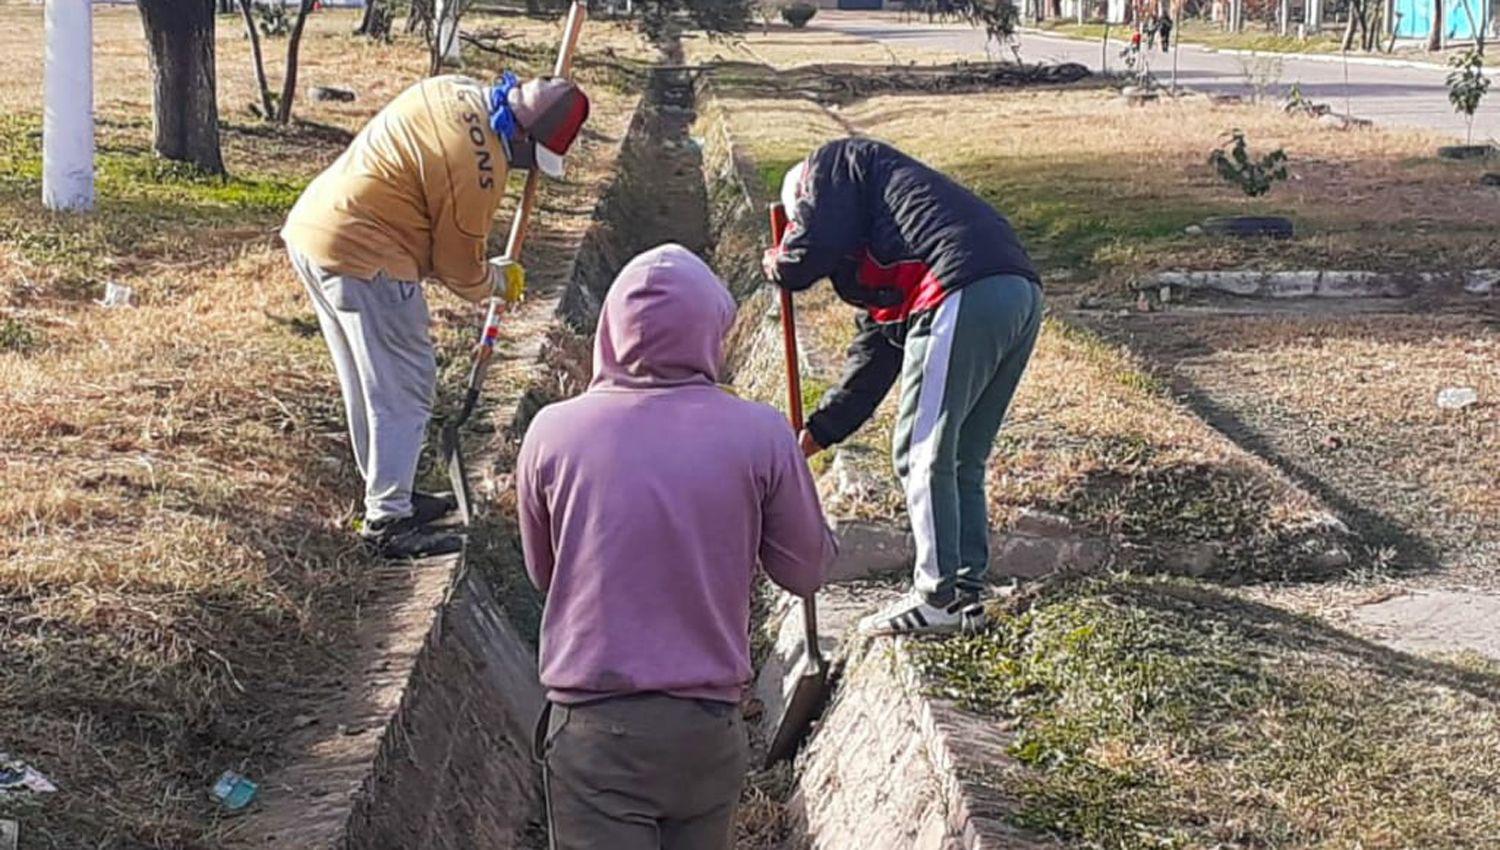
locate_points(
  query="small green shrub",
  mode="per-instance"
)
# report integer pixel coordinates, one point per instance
(1253, 177)
(1467, 85)
(798, 14)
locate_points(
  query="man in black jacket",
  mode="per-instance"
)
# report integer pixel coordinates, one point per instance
(952, 304)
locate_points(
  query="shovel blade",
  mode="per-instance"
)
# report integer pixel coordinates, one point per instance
(458, 475)
(809, 698)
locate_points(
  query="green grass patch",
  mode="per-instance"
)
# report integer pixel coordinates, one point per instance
(773, 171)
(145, 206)
(16, 335)
(1078, 216)
(1156, 713)
(135, 174)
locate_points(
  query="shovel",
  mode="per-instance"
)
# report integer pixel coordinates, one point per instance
(450, 443)
(810, 695)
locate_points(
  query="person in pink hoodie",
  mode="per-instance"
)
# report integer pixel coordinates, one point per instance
(645, 505)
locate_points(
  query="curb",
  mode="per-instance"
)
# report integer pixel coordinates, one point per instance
(1321, 283)
(1361, 59)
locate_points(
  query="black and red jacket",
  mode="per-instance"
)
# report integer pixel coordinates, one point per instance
(894, 236)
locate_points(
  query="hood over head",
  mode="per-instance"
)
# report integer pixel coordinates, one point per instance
(662, 323)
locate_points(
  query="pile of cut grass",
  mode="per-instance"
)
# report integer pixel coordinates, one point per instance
(1158, 713)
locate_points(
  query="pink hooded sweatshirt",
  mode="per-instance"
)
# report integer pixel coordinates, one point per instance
(647, 501)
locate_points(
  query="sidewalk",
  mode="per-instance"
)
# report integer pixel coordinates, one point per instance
(1437, 60)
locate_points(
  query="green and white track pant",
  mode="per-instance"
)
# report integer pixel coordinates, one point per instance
(961, 365)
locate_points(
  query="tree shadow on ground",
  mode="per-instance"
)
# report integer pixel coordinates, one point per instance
(843, 84)
(1415, 550)
(1285, 630)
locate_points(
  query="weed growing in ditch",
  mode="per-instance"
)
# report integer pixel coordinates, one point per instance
(1158, 713)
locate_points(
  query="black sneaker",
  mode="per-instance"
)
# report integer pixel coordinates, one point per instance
(407, 538)
(970, 595)
(431, 507)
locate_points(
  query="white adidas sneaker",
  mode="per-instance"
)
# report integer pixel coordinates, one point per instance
(911, 615)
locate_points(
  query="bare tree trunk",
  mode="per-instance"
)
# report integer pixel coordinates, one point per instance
(289, 85)
(185, 109)
(419, 13)
(1359, 17)
(1349, 28)
(1435, 38)
(267, 111)
(367, 18)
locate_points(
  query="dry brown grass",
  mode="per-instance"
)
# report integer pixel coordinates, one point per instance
(1350, 402)
(1104, 191)
(178, 575)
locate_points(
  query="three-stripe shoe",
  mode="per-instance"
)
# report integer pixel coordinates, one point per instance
(911, 615)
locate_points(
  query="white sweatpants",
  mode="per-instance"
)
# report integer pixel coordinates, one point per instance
(377, 332)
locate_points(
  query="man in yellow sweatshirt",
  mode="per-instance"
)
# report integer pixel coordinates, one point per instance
(413, 199)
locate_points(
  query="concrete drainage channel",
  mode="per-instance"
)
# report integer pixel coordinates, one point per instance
(453, 768)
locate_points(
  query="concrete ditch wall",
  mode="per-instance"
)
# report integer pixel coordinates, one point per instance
(455, 769)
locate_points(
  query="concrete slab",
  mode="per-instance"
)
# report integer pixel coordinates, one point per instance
(1437, 621)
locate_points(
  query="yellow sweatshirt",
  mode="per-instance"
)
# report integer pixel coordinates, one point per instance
(413, 196)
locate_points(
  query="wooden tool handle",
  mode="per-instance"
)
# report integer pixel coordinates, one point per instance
(788, 330)
(794, 412)
(577, 13)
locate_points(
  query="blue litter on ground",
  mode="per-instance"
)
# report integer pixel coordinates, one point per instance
(234, 791)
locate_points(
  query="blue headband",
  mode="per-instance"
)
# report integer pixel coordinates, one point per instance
(502, 117)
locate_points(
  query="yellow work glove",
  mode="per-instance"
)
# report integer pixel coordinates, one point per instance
(509, 279)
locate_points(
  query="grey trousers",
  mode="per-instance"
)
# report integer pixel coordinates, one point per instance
(648, 772)
(377, 332)
(961, 365)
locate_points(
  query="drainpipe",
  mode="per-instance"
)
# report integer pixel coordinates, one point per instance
(68, 113)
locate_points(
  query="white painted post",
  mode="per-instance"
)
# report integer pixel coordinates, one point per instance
(1314, 15)
(68, 106)
(447, 32)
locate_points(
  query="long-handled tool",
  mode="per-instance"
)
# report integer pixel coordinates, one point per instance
(810, 695)
(452, 445)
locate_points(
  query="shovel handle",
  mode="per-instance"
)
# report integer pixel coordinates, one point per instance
(788, 329)
(794, 411)
(563, 67)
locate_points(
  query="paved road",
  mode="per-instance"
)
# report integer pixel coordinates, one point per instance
(1402, 96)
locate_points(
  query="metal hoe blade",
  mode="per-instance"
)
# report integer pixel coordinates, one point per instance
(809, 696)
(458, 476)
